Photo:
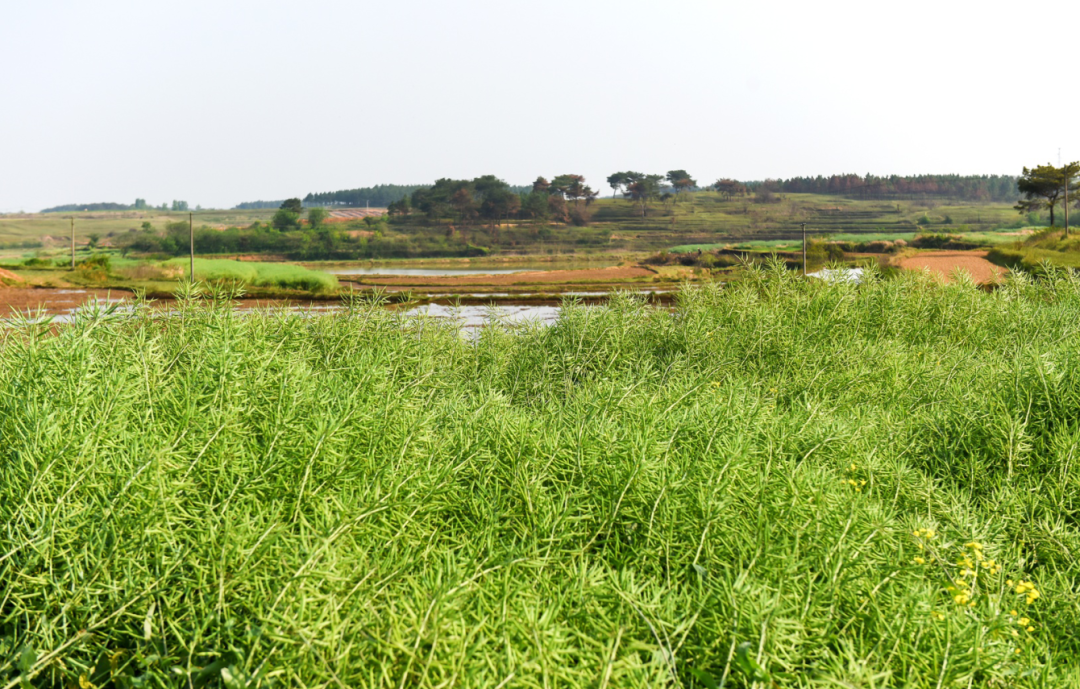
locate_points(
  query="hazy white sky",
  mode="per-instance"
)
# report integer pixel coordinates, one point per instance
(222, 101)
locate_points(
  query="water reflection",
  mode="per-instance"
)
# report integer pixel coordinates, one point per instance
(478, 316)
(466, 317)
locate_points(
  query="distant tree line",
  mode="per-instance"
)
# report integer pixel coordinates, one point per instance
(73, 207)
(564, 199)
(257, 205)
(642, 188)
(959, 187)
(139, 205)
(379, 196)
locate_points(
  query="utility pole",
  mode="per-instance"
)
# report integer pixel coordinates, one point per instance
(191, 246)
(73, 242)
(1068, 178)
(804, 249)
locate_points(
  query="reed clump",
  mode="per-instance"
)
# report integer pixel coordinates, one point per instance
(784, 482)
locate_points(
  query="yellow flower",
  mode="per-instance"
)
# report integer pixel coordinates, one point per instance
(1009, 582)
(919, 561)
(1031, 629)
(960, 598)
(1012, 612)
(1023, 621)
(85, 683)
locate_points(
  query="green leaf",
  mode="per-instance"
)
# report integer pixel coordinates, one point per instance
(27, 658)
(748, 664)
(704, 677)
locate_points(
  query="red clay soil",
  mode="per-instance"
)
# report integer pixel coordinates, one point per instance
(533, 278)
(354, 213)
(943, 263)
(21, 299)
(62, 301)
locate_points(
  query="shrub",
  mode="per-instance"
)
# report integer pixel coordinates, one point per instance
(94, 269)
(879, 247)
(580, 215)
(941, 241)
(101, 261)
(285, 219)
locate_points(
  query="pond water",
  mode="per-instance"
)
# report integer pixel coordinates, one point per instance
(466, 317)
(478, 316)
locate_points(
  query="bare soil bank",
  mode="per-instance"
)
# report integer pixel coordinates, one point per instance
(943, 263)
(22, 299)
(61, 301)
(543, 277)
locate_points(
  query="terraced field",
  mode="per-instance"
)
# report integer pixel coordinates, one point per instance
(708, 219)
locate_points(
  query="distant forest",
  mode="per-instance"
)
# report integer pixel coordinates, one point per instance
(961, 187)
(379, 196)
(73, 207)
(139, 205)
(1000, 188)
(257, 205)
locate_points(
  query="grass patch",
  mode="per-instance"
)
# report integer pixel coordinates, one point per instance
(283, 275)
(1049, 245)
(983, 238)
(110, 270)
(774, 486)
